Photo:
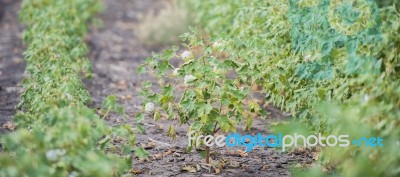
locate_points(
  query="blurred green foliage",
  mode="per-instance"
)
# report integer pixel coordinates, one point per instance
(58, 135)
(333, 64)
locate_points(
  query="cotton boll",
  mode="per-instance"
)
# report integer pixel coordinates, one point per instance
(186, 55)
(73, 174)
(149, 107)
(307, 58)
(366, 98)
(51, 155)
(215, 69)
(216, 45)
(188, 78)
(176, 72)
(54, 154)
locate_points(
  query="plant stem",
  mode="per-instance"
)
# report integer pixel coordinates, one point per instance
(106, 114)
(207, 155)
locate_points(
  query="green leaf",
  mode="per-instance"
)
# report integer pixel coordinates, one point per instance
(140, 128)
(139, 117)
(141, 69)
(188, 105)
(120, 110)
(147, 84)
(196, 125)
(141, 153)
(230, 64)
(254, 107)
(157, 116)
(110, 102)
(204, 108)
(168, 91)
(249, 122)
(163, 66)
(224, 123)
(169, 53)
(172, 132)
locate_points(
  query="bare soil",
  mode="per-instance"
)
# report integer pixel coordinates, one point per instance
(12, 65)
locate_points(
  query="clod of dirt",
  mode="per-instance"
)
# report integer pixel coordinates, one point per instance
(136, 171)
(9, 125)
(190, 169)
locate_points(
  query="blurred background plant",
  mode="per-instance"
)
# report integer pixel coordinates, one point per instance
(57, 133)
(385, 3)
(342, 53)
(164, 26)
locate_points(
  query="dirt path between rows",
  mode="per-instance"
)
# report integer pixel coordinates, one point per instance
(12, 65)
(116, 53)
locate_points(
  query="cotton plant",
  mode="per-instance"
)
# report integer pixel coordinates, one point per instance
(209, 100)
